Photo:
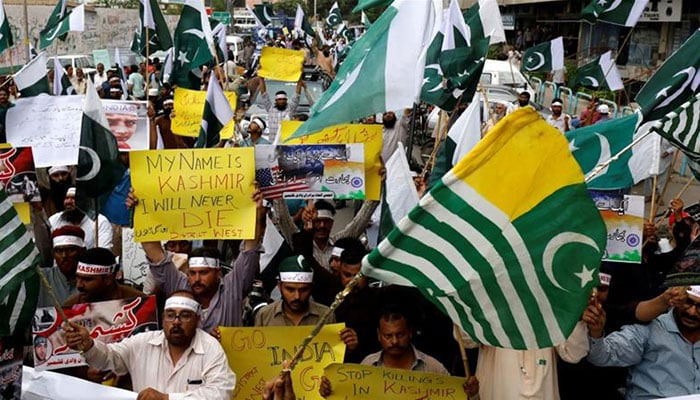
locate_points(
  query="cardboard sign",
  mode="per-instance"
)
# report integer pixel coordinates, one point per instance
(108, 321)
(128, 121)
(368, 134)
(133, 259)
(256, 355)
(311, 171)
(354, 381)
(624, 218)
(193, 194)
(281, 64)
(188, 106)
(101, 56)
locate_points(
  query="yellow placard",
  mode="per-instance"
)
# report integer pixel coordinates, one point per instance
(23, 211)
(353, 381)
(189, 107)
(256, 355)
(281, 64)
(193, 194)
(369, 134)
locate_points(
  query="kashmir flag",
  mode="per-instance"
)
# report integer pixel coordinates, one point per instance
(368, 80)
(6, 40)
(399, 195)
(154, 29)
(617, 12)
(464, 134)
(303, 27)
(120, 72)
(61, 83)
(19, 282)
(262, 14)
(681, 128)
(217, 113)
(194, 43)
(484, 21)
(544, 57)
(487, 247)
(99, 166)
(363, 5)
(334, 18)
(72, 21)
(32, 79)
(600, 73)
(674, 83)
(454, 61)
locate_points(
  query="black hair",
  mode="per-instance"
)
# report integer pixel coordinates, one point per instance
(98, 256)
(206, 252)
(394, 312)
(183, 291)
(557, 99)
(324, 205)
(281, 92)
(525, 93)
(353, 251)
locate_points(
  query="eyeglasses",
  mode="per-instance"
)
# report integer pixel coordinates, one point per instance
(185, 316)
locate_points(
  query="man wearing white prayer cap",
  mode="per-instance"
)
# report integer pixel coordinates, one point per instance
(176, 363)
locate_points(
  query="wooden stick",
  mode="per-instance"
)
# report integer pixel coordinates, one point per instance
(668, 177)
(97, 218)
(52, 294)
(653, 200)
(462, 350)
(428, 164)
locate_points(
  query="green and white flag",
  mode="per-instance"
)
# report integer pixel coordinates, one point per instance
(600, 73)
(364, 20)
(617, 12)
(484, 246)
(302, 26)
(194, 43)
(262, 14)
(399, 195)
(59, 11)
(383, 70)
(334, 18)
(99, 165)
(120, 72)
(32, 79)
(72, 21)
(674, 83)
(61, 83)
(153, 27)
(544, 57)
(6, 40)
(367, 4)
(345, 33)
(454, 61)
(484, 21)
(681, 128)
(135, 45)
(464, 134)
(218, 32)
(217, 113)
(19, 282)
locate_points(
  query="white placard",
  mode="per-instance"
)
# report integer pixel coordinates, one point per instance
(50, 125)
(134, 263)
(128, 121)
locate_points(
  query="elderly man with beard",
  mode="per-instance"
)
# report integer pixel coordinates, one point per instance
(280, 110)
(68, 247)
(394, 131)
(59, 181)
(178, 362)
(72, 215)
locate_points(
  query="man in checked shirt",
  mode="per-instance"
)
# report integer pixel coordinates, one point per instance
(281, 110)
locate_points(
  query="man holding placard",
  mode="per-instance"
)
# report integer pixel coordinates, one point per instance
(280, 110)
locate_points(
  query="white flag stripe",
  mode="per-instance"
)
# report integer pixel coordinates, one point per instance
(401, 194)
(636, 12)
(455, 316)
(557, 51)
(466, 131)
(491, 21)
(32, 72)
(23, 265)
(610, 71)
(57, 76)
(19, 304)
(218, 102)
(454, 20)
(516, 242)
(148, 20)
(76, 19)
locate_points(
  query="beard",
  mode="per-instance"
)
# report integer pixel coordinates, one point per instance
(281, 108)
(73, 217)
(57, 192)
(389, 123)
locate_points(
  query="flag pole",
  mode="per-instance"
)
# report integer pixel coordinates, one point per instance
(668, 177)
(600, 167)
(462, 350)
(97, 218)
(678, 196)
(9, 51)
(652, 210)
(26, 31)
(52, 294)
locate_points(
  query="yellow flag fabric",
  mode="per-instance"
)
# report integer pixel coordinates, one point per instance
(256, 355)
(281, 64)
(362, 382)
(193, 194)
(189, 107)
(368, 134)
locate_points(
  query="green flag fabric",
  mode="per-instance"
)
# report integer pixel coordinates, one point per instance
(485, 248)
(19, 282)
(599, 74)
(680, 127)
(72, 21)
(57, 14)
(99, 165)
(484, 21)
(617, 12)
(544, 57)
(194, 44)
(6, 39)
(153, 27)
(217, 113)
(363, 5)
(262, 14)
(334, 18)
(302, 27)
(345, 33)
(135, 45)
(120, 72)
(33, 79)
(674, 83)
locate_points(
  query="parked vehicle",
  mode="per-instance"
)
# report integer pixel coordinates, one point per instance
(76, 61)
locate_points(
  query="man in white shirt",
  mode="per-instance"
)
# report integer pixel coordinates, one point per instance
(100, 76)
(72, 215)
(176, 363)
(558, 119)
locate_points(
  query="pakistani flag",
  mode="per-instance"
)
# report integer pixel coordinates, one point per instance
(32, 79)
(194, 43)
(484, 21)
(59, 11)
(674, 83)
(218, 32)
(334, 18)
(680, 127)
(154, 29)
(217, 113)
(618, 12)
(135, 46)
(485, 247)
(399, 195)
(5, 31)
(61, 83)
(367, 4)
(120, 72)
(99, 166)
(19, 282)
(72, 21)
(262, 14)
(454, 61)
(302, 26)
(545, 57)
(600, 73)
(464, 134)
(345, 33)
(382, 71)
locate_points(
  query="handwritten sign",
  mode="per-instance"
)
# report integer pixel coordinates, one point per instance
(256, 355)
(353, 381)
(133, 259)
(193, 194)
(189, 107)
(624, 219)
(108, 321)
(128, 121)
(281, 64)
(369, 134)
(11, 355)
(101, 56)
(50, 125)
